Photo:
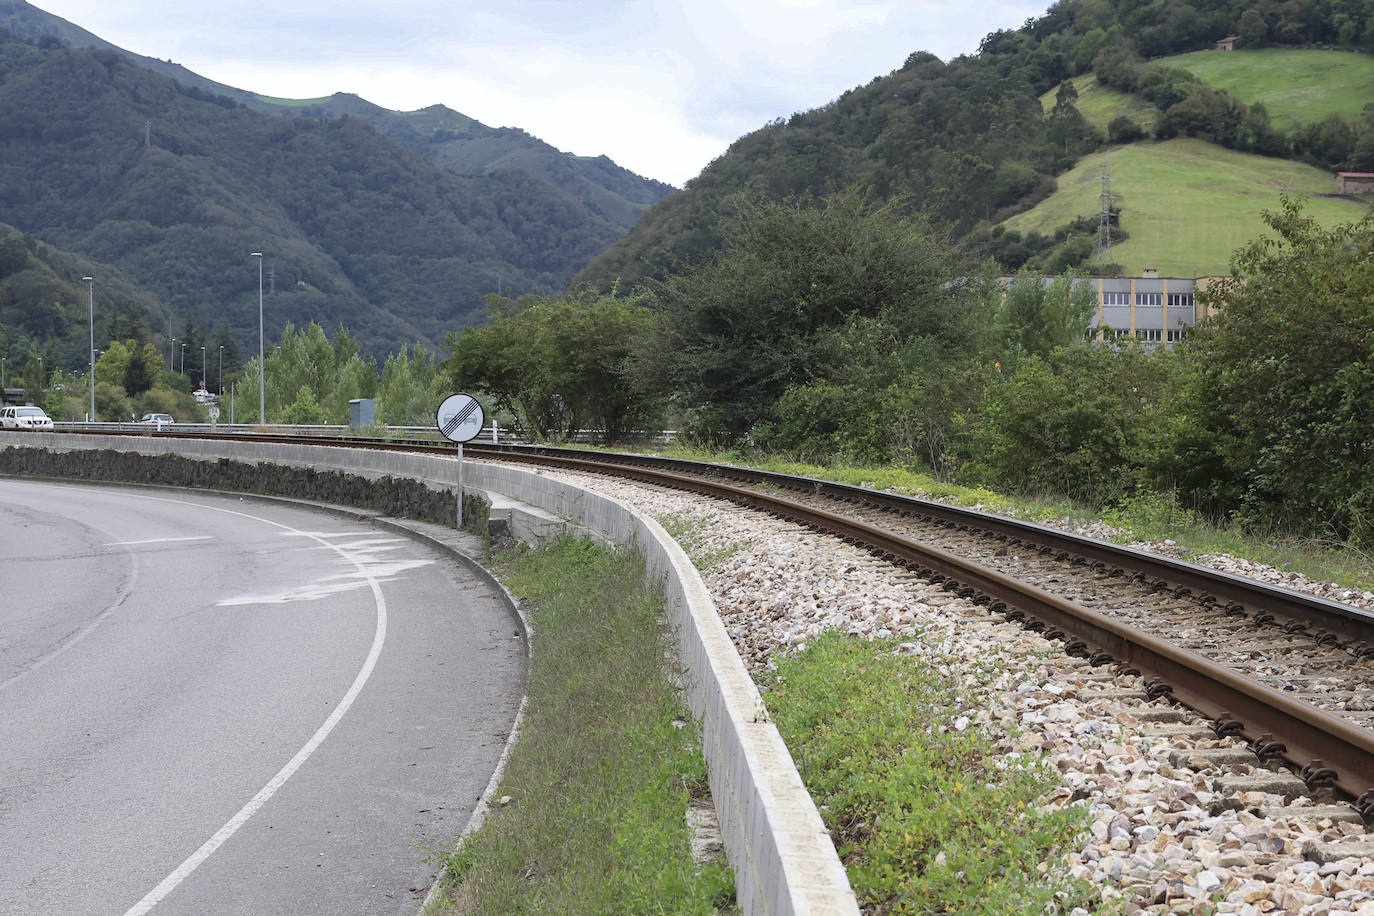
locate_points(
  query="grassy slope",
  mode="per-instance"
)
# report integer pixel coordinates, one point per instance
(1296, 86)
(1101, 104)
(1187, 204)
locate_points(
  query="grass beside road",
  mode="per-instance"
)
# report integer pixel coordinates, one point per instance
(928, 817)
(606, 765)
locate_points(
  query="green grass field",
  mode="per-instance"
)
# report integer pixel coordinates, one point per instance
(1187, 204)
(1100, 104)
(1296, 86)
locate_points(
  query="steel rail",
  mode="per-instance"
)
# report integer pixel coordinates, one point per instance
(1299, 612)
(1325, 749)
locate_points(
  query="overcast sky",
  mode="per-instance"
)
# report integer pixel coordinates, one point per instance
(660, 86)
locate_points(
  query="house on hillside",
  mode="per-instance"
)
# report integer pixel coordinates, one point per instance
(1228, 43)
(1355, 182)
(1151, 309)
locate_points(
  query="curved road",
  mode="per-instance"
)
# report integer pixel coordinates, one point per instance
(217, 705)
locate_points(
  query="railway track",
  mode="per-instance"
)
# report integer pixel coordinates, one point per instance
(1290, 673)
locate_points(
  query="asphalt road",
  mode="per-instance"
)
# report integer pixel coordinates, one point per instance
(219, 706)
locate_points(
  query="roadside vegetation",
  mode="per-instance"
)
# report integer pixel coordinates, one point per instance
(928, 818)
(841, 334)
(591, 812)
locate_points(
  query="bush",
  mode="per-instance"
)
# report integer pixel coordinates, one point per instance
(1076, 424)
(1123, 130)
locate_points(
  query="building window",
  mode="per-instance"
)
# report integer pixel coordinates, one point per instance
(1181, 300)
(1177, 334)
(1149, 334)
(1149, 298)
(1116, 298)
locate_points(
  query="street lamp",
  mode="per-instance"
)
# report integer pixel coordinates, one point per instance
(183, 357)
(90, 301)
(42, 379)
(171, 353)
(262, 373)
(202, 367)
(220, 386)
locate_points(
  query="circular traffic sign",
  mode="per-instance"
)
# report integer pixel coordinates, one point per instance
(460, 417)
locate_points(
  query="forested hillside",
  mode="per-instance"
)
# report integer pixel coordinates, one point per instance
(610, 194)
(176, 189)
(465, 146)
(967, 143)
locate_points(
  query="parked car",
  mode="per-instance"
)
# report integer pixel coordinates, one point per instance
(157, 419)
(24, 418)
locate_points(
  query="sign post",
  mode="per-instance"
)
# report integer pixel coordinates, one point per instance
(460, 419)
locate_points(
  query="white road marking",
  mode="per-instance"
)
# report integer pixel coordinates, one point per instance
(368, 572)
(203, 537)
(184, 870)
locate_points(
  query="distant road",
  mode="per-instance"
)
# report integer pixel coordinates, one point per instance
(219, 706)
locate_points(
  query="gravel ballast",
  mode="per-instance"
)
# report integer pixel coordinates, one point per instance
(1180, 821)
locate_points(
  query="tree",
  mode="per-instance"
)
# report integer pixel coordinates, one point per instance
(1284, 380)
(1040, 315)
(1075, 423)
(409, 390)
(559, 365)
(1064, 121)
(1252, 29)
(738, 332)
(143, 369)
(1124, 130)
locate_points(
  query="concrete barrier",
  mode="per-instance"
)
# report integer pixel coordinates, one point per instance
(783, 858)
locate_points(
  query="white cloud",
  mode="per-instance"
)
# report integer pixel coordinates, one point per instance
(660, 86)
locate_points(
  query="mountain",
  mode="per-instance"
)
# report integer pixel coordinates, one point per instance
(468, 147)
(965, 144)
(452, 140)
(176, 188)
(394, 224)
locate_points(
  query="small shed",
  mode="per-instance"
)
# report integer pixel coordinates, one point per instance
(1355, 182)
(1228, 43)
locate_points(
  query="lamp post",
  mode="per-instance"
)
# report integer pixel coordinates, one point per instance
(262, 373)
(42, 379)
(3, 384)
(220, 385)
(171, 351)
(202, 367)
(90, 302)
(183, 358)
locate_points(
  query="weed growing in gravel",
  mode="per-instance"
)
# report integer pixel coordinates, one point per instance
(688, 535)
(602, 776)
(927, 817)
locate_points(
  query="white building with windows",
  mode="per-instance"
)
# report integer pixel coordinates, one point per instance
(1148, 308)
